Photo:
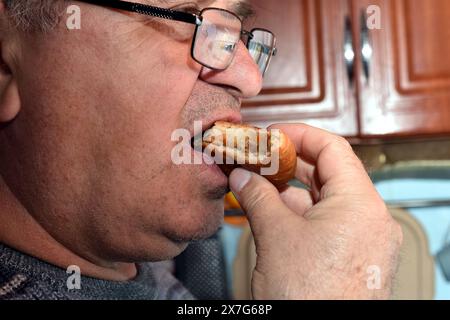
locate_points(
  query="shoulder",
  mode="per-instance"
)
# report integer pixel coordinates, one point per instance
(19, 286)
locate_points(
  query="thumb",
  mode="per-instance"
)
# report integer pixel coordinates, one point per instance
(259, 199)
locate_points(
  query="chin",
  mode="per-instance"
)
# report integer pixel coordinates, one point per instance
(197, 225)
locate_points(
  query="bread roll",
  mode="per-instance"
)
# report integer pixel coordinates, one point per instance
(252, 148)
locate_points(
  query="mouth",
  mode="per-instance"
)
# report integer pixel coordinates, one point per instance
(210, 167)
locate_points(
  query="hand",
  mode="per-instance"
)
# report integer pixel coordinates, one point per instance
(325, 242)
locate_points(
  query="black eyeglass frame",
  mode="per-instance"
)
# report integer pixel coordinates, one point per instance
(181, 16)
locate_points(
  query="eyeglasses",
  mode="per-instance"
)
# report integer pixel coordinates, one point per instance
(216, 36)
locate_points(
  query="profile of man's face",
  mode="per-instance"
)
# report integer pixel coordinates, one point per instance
(89, 152)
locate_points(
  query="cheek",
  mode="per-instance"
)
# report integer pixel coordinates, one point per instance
(141, 121)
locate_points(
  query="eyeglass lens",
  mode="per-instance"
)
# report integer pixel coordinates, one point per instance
(261, 48)
(218, 36)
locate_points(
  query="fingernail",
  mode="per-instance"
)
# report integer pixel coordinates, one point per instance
(239, 179)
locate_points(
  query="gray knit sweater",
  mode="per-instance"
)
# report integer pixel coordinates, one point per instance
(23, 277)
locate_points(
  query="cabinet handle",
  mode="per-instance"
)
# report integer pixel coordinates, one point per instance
(349, 53)
(366, 46)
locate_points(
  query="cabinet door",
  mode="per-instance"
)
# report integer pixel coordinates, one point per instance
(407, 91)
(308, 80)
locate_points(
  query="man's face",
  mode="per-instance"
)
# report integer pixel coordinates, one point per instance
(89, 154)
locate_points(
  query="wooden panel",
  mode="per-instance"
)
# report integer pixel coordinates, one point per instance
(307, 80)
(408, 92)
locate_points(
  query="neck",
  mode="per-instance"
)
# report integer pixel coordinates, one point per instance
(22, 232)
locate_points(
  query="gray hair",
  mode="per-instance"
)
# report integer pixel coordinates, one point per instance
(34, 15)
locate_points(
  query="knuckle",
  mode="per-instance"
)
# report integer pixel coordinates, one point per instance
(256, 201)
(343, 148)
(343, 143)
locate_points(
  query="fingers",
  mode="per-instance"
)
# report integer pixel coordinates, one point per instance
(259, 199)
(327, 156)
(306, 174)
(298, 200)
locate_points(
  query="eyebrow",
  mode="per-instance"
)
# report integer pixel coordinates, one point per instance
(243, 9)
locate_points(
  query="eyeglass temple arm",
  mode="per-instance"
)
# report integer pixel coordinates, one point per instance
(247, 34)
(148, 10)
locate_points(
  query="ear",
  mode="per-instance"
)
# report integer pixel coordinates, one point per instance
(9, 94)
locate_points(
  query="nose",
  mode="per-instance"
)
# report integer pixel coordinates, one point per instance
(243, 74)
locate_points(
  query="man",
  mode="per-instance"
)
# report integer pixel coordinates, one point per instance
(87, 180)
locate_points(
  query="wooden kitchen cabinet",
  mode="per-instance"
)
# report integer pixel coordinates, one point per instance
(307, 80)
(407, 91)
(401, 89)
